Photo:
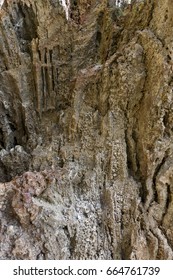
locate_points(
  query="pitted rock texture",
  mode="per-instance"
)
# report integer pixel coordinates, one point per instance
(86, 132)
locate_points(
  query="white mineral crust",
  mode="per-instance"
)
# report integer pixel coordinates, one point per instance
(66, 6)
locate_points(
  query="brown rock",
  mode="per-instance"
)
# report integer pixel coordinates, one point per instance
(86, 130)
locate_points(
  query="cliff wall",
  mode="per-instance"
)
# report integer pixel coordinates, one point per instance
(86, 128)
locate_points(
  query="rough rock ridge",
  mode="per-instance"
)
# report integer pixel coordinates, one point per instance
(86, 130)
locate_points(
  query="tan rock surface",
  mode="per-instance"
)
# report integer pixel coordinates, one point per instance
(86, 153)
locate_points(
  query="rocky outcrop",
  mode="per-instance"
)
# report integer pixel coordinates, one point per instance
(86, 153)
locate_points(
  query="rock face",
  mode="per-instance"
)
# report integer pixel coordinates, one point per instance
(86, 130)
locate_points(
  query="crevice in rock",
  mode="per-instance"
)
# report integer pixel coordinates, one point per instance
(156, 172)
(25, 25)
(169, 196)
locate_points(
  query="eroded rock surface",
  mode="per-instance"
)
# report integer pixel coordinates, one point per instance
(86, 154)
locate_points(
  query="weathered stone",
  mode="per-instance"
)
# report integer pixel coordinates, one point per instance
(86, 154)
